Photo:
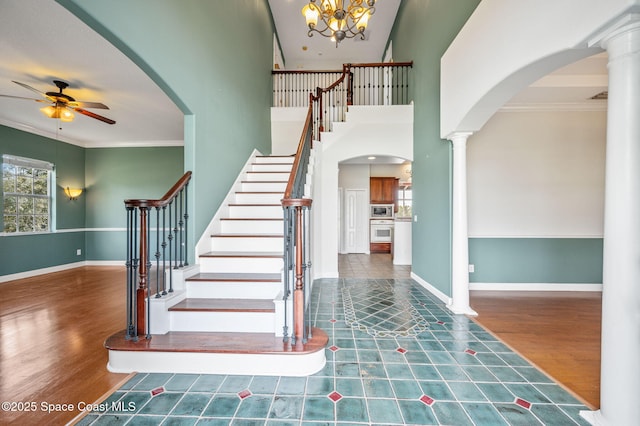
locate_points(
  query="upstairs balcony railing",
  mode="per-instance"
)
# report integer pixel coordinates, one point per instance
(357, 84)
(156, 244)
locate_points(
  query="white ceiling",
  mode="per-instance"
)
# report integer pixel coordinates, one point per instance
(318, 52)
(40, 41)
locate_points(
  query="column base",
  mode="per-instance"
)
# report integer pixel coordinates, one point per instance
(593, 417)
(462, 310)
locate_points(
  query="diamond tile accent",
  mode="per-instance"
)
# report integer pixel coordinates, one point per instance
(334, 348)
(523, 403)
(470, 352)
(369, 308)
(244, 394)
(427, 400)
(440, 322)
(157, 391)
(335, 396)
(401, 350)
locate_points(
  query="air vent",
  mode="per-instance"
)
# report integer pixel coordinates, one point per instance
(601, 95)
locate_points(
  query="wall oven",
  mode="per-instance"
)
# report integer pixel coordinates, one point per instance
(381, 230)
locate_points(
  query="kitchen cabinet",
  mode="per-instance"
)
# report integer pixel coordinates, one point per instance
(383, 190)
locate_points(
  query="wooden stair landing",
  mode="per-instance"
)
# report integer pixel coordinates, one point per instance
(227, 343)
(224, 305)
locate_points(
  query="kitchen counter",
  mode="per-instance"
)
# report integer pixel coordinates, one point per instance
(402, 241)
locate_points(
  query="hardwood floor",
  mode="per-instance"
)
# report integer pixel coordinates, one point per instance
(557, 331)
(52, 331)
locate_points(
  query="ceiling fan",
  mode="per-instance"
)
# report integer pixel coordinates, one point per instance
(62, 105)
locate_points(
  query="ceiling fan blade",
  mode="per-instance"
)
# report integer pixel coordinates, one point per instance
(28, 99)
(26, 86)
(80, 104)
(94, 115)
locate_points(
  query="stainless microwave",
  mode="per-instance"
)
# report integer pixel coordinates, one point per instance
(381, 211)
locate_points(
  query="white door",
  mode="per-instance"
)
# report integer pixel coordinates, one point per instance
(355, 221)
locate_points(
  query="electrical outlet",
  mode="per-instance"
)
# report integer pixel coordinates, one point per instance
(79, 252)
(472, 268)
(415, 218)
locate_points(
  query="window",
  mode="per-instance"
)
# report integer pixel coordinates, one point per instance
(26, 186)
(404, 201)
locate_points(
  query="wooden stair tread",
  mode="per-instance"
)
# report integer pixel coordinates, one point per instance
(239, 277)
(209, 342)
(224, 305)
(267, 254)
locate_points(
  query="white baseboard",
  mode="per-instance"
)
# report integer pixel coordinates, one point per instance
(535, 287)
(42, 271)
(105, 263)
(431, 289)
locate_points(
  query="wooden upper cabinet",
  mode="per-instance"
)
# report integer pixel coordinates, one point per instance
(383, 190)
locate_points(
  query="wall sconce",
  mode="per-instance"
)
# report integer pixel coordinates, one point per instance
(73, 193)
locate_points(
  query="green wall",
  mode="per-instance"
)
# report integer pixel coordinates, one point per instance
(114, 175)
(536, 260)
(422, 32)
(217, 74)
(94, 222)
(27, 252)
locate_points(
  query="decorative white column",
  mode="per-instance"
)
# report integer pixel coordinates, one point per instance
(620, 364)
(460, 238)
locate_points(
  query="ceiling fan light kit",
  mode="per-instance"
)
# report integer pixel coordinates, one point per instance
(339, 19)
(63, 105)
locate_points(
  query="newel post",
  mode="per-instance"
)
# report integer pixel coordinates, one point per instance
(142, 290)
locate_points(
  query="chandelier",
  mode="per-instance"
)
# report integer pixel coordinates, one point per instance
(339, 19)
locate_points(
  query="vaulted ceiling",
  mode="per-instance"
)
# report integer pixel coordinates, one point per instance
(35, 52)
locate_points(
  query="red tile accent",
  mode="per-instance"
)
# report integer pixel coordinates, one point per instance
(334, 396)
(244, 394)
(402, 350)
(157, 391)
(523, 403)
(470, 352)
(440, 322)
(427, 400)
(332, 320)
(334, 348)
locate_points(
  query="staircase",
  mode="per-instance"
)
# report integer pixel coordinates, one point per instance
(226, 314)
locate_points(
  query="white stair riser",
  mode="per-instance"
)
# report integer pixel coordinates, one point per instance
(287, 159)
(259, 198)
(241, 264)
(240, 244)
(232, 290)
(258, 177)
(252, 227)
(239, 322)
(216, 363)
(274, 211)
(264, 186)
(285, 168)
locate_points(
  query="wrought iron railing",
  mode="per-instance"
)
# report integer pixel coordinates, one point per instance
(155, 229)
(297, 211)
(384, 83)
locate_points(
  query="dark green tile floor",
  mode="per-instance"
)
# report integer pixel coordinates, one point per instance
(451, 373)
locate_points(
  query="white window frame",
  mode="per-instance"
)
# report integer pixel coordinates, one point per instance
(30, 163)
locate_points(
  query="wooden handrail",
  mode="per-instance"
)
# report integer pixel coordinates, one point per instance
(383, 64)
(296, 162)
(166, 199)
